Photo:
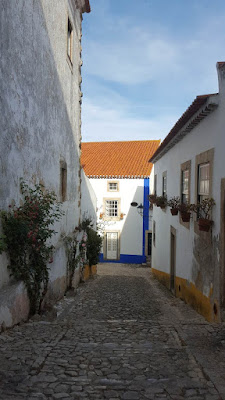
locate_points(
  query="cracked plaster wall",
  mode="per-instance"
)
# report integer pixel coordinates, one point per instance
(40, 109)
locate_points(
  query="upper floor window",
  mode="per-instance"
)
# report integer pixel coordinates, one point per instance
(185, 182)
(164, 184)
(155, 185)
(113, 186)
(111, 208)
(203, 181)
(70, 41)
(185, 175)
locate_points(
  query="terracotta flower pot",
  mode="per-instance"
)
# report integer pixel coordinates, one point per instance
(174, 211)
(152, 199)
(204, 224)
(185, 216)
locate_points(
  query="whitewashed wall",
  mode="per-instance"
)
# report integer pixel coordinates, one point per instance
(88, 199)
(40, 112)
(208, 134)
(131, 227)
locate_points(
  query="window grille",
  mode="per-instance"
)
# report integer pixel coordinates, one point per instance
(111, 208)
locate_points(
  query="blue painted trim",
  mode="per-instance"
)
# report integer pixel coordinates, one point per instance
(146, 214)
(124, 259)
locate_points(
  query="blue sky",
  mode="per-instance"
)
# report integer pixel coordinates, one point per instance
(144, 62)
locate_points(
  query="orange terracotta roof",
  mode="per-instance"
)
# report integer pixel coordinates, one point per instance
(87, 6)
(118, 159)
(221, 64)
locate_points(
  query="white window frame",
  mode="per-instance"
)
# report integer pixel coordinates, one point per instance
(110, 189)
(164, 184)
(111, 217)
(203, 194)
(185, 186)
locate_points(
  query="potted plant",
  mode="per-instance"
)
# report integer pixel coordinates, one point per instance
(101, 215)
(152, 198)
(121, 215)
(185, 211)
(203, 210)
(174, 202)
(161, 201)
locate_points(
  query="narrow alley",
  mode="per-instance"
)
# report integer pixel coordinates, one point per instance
(122, 336)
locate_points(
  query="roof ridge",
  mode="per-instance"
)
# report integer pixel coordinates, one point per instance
(125, 141)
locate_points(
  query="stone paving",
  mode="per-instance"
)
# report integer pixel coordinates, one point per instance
(123, 336)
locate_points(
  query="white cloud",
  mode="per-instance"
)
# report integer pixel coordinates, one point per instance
(132, 60)
(107, 124)
(124, 57)
(130, 54)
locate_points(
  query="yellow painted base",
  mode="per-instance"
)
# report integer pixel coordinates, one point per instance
(187, 291)
(89, 272)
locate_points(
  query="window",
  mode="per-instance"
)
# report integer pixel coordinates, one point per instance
(111, 208)
(185, 186)
(203, 182)
(164, 184)
(155, 185)
(203, 179)
(63, 180)
(113, 186)
(185, 182)
(70, 40)
(153, 238)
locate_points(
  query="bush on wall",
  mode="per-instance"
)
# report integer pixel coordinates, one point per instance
(27, 230)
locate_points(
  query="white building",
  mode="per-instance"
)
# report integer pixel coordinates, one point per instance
(119, 173)
(191, 262)
(40, 123)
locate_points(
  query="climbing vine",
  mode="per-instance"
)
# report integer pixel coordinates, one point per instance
(82, 246)
(94, 243)
(91, 241)
(27, 230)
(71, 243)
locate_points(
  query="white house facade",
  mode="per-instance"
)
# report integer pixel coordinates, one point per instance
(40, 123)
(119, 174)
(187, 260)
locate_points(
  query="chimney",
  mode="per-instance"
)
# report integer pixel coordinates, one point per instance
(221, 76)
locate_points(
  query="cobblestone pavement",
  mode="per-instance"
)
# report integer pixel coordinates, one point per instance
(123, 336)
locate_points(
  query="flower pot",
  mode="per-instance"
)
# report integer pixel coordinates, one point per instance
(204, 224)
(185, 216)
(152, 198)
(174, 211)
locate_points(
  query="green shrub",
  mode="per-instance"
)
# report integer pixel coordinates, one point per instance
(27, 230)
(94, 243)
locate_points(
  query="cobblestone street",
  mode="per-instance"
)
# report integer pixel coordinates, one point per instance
(123, 336)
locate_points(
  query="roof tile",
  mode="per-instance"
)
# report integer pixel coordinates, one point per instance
(118, 159)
